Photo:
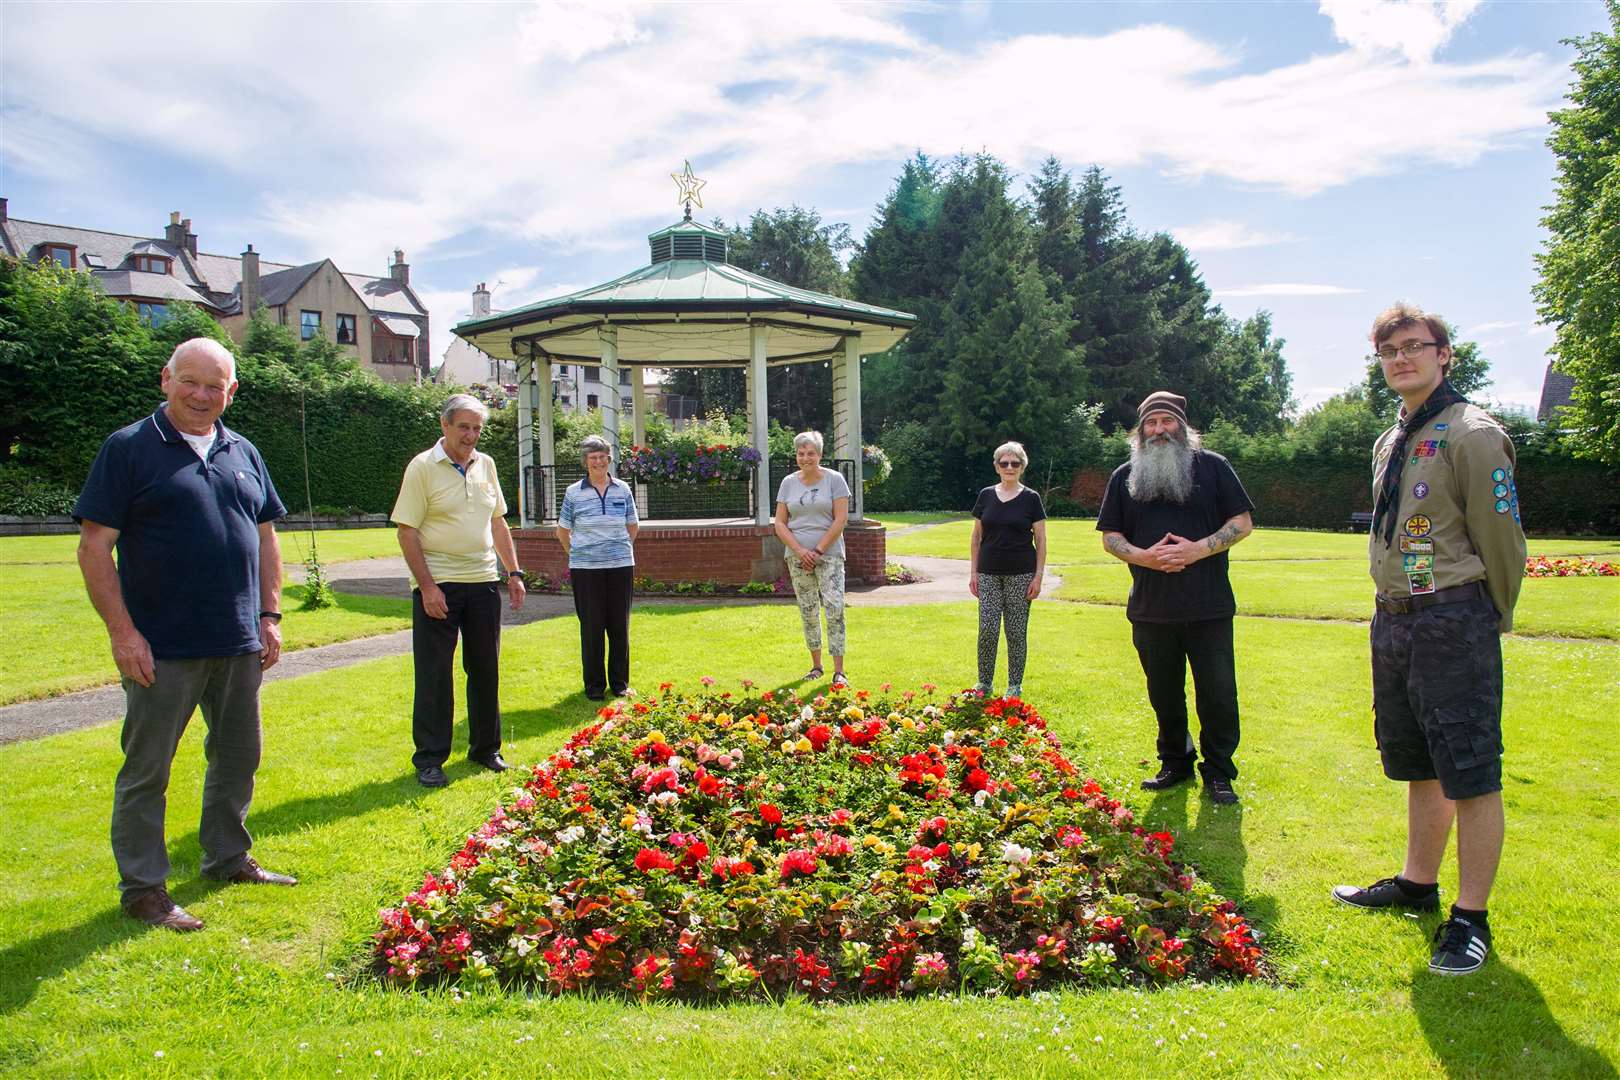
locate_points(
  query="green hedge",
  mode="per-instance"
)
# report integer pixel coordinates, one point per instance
(1557, 494)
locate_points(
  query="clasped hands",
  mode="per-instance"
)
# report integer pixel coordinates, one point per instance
(1172, 554)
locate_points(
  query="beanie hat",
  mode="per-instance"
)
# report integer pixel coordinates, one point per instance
(1163, 401)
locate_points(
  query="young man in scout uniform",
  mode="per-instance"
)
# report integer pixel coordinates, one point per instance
(1447, 555)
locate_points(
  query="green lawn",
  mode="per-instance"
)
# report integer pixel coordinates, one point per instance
(54, 642)
(267, 988)
(1312, 575)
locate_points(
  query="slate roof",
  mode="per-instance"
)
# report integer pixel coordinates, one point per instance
(384, 294)
(213, 281)
(1557, 390)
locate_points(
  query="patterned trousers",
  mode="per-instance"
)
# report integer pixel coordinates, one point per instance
(815, 589)
(1003, 598)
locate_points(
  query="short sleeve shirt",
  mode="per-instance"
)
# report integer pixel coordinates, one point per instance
(598, 525)
(454, 514)
(188, 534)
(810, 507)
(1457, 518)
(1007, 540)
(1202, 590)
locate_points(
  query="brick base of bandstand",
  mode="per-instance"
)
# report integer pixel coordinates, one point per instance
(727, 552)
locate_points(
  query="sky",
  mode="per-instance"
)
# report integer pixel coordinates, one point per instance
(1320, 160)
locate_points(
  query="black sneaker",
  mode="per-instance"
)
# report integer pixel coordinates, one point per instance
(1167, 778)
(1220, 791)
(1385, 894)
(1459, 947)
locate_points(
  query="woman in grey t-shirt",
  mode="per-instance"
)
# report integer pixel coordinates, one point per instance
(812, 508)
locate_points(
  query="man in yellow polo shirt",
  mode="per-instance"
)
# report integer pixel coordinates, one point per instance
(452, 529)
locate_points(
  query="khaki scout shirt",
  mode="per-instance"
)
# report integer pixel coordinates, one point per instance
(453, 513)
(1457, 520)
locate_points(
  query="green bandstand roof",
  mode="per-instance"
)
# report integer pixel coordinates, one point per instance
(688, 307)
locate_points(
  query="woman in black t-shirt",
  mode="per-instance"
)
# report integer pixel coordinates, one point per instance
(1007, 556)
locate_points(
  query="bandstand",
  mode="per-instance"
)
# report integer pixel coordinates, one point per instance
(688, 307)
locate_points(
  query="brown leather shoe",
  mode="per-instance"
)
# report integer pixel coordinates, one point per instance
(154, 908)
(251, 873)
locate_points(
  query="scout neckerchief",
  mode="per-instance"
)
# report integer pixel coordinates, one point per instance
(1389, 492)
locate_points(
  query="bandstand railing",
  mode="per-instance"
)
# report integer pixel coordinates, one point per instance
(721, 499)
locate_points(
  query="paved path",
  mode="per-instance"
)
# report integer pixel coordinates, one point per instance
(387, 577)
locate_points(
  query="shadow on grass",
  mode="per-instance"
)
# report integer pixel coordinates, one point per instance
(1496, 1023)
(1213, 842)
(29, 963)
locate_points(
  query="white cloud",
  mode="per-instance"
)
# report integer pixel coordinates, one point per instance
(558, 125)
(1285, 289)
(1417, 28)
(1220, 235)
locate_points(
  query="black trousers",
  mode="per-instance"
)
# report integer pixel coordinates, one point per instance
(1165, 650)
(475, 616)
(602, 601)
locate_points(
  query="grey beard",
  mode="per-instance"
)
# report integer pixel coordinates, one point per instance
(1161, 471)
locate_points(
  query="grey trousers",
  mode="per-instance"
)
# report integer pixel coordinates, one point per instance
(227, 688)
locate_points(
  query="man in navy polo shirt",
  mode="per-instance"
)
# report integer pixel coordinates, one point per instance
(192, 608)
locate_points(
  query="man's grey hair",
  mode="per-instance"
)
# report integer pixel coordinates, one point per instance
(202, 345)
(463, 403)
(594, 444)
(808, 438)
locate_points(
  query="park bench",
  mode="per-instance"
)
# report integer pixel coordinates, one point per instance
(1361, 520)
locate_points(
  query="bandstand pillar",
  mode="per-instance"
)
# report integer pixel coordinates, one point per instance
(847, 417)
(759, 422)
(638, 405)
(610, 388)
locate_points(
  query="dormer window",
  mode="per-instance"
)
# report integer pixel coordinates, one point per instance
(63, 255)
(149, 264)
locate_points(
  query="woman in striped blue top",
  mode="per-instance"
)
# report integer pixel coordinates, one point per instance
(597, 527)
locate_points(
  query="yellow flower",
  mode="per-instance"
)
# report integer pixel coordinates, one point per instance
(628, 820)
(723, 719)
(971, 852)
(804, 746)
(853, 713)
(895, 718)
(896, 813)
(870, 841)
(908, 723)
(653, 737)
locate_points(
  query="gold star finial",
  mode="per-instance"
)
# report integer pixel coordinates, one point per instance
(690, 186)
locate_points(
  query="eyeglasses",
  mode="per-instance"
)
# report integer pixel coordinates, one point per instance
(1411, 350)
(1009, 464)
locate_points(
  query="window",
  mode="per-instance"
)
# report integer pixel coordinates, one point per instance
(60, 254)
(629, 406)
(310, 324)
(150, 264)
(567, 401)
(590, 401)
(152, 314)
(345, 328)
(593, 374)
(562, 370)
(624, 378)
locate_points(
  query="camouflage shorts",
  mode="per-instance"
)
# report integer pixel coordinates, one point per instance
(1437, 696)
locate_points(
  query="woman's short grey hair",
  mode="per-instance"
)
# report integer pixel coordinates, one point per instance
(808, 438)
(594, 444)
(463, 403)
(1016, 449)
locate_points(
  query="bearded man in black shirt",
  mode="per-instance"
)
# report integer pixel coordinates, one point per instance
(1181, 603)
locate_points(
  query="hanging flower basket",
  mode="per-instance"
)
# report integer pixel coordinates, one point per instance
(875, 466)
(688, 464)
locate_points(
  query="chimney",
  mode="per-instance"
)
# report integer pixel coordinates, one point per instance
(175, 232)
(400, 271)
(250, 281)
(2, 209)
(189, 241)
(480, 301)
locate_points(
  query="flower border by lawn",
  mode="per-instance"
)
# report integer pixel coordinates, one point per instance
(712, 848)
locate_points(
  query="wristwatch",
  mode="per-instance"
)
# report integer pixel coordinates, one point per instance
(514, 573)
(273, 616)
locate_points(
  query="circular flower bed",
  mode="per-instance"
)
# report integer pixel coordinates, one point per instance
(717, 847)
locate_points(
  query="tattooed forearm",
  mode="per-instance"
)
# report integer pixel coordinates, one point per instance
(1227, 535)
(1117, 546)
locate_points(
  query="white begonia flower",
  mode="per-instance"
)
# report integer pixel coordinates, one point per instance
(571, 834)
(979, 797)
(930, 710)
(675, 763)
(950, 737)
(1016, 854)
(807, 713)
